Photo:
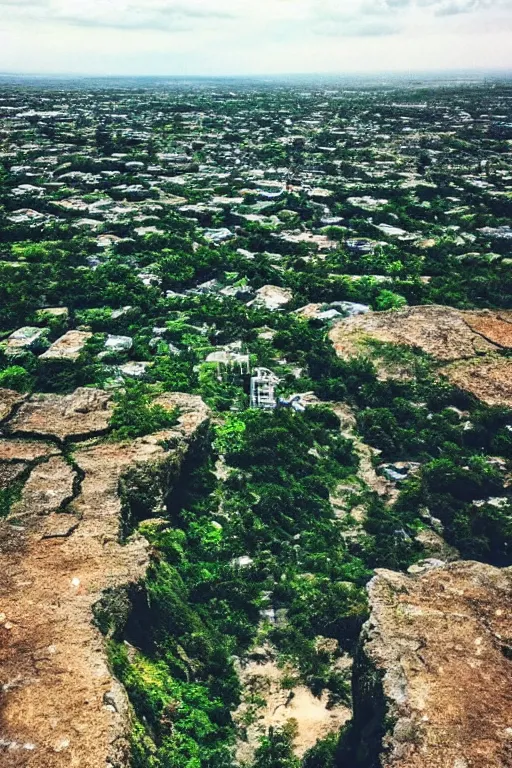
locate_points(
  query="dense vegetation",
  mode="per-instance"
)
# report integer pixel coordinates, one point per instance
(147, 221)
(267, 537)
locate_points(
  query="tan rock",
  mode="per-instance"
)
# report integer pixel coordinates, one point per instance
(192, 411)
(84, 413)
(468, 343)
(494, 326)
(9, 399)
(59, 694)
(489, 379)
(49, 488)
(272, 297)
(25, 450)
(440, 331)
(434, 668)
(435, 546)
(10, 473)
(67, 347)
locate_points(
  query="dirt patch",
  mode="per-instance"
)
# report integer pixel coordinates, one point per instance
(262, 682)
(489, 379)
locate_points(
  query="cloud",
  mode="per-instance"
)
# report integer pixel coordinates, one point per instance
(358, 27)
(207, 36)
(121, 14)
(453, 7)
(322, 17)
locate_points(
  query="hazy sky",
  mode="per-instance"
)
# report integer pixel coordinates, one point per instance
(252, 36)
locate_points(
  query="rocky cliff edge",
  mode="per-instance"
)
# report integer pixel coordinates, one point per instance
(60, 549)
(433, 675)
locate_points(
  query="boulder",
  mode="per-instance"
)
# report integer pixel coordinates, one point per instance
(67, 347)
(272, 297)
(489, 378)
(58, 573)
(24, 338)
(433, 672)
(118, 343)
(440, 331)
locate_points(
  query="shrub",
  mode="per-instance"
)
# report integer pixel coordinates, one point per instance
(135, 415)
(16, 377)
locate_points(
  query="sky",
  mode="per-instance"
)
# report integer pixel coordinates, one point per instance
(230, 37)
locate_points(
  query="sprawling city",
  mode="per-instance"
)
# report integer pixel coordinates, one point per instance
(256, 422)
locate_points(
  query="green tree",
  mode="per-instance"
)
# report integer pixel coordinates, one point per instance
(16, 377)
(276, 750)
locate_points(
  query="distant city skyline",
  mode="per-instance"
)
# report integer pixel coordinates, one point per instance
(238, 37)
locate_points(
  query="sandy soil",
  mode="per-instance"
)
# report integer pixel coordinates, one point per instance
(312, 716)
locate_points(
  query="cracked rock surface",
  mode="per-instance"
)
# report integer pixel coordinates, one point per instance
(57, 559)
(433, 675)
(470, 346)
(84, 413)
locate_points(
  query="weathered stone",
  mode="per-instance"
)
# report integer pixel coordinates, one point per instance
(59, 526)
(25, 450)
(24, 338)
(433, 674)
(495, 326)
(118, 343)
(67, 347)
(469, 343)
(272, 297)
(48, 488)
(489, 378)
(440, 331)
(84, 413)
(9, 399)
(52, 576)
(134, 369)
(11, 472)
(435, 546)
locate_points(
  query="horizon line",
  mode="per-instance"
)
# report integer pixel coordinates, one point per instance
(204, 76)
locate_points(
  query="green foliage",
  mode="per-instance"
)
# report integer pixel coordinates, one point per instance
(135, 414)
(266, 536)
(323, 754)
(389, 300)
(229, 436)
(174, 374)
(17, 378)
(182, 715)
(219, 394)
(276, 750)
(449, 487)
